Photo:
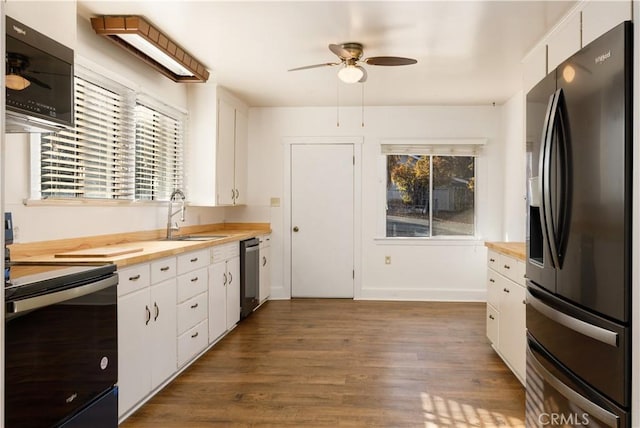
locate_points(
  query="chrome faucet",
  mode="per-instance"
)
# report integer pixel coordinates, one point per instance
(171, 227)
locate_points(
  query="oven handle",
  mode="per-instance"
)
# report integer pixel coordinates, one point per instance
(37, 302)
(604, 415)
(600, 334)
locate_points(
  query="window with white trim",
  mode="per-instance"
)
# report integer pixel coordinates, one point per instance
(430, 190)
(123, 147)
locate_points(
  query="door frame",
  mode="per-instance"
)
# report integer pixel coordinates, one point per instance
(356, 142)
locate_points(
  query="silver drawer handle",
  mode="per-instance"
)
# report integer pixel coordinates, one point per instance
(134, 278)
(194, 279)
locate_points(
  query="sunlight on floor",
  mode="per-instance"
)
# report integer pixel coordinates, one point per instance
(442, 412)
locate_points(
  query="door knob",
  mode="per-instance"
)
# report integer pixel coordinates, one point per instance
(295, 228)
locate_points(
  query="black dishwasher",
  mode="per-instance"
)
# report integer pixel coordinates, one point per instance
(249, 276)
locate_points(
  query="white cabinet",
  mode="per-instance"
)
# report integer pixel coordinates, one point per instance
(598, 17)
(192, 301)
(231, 157)
(534, 67)
(147, 352)
(265, 268)
(506, 316)
(217, 156)
(224, 289)
(563, 42)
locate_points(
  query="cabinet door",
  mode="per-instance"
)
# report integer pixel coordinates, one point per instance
(134, 376)
(493, 323)
(233, 292)
(598, 17)
(163, 331)
(564, 42)
(512, 330)
(225, 153)
(265, 273)
(217, 300)
(240, 158)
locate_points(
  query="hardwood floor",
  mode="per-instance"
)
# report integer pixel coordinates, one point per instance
(345, 363)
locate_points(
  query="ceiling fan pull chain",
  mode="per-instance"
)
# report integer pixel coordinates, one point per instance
(362, 102)
(338, 103)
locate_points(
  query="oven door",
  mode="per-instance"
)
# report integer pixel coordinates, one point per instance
(61, 352)
(555, 397)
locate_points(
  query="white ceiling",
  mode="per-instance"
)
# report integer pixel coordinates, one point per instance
(468, 52)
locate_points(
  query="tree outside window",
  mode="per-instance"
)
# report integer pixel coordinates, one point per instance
(429, 195)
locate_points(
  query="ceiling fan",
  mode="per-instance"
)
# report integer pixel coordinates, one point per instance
(350, 55)
(16, 73)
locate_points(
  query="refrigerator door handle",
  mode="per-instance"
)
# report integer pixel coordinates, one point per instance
(600, 334)
(546, 151)
(604, 415)
(561, 122)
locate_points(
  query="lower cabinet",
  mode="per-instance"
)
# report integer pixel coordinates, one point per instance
(224, 289)
(506, 316)
(147, 351)
(265, 268)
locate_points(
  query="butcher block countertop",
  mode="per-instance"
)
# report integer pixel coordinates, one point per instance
(512, 249)
(131, 248)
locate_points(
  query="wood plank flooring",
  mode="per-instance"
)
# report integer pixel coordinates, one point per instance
(345, 363)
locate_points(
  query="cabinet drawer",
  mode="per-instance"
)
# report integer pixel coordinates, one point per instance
(493, 325)
(493, 260)
(512, 268)
(192, 312)
(493, 288)
(191, 343)
(192, 283)
(163, 269)
(193, 260)
(225, 251)
(133, 278)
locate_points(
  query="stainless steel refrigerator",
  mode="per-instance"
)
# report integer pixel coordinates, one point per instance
(579, 144)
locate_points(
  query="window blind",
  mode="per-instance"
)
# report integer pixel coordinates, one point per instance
(94, 159)
(159, 147)
(464, 147)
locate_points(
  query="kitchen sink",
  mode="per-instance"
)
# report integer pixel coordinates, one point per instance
(197, 238)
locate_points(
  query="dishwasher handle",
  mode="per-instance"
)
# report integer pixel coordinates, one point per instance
(37, 302)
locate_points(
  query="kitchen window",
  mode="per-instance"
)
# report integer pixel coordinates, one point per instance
(430, 190)
(124, 146)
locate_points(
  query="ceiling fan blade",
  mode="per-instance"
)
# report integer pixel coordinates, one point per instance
(340, 51)
(36, 81)
(306, 67)
(364, 74)
(389, 60)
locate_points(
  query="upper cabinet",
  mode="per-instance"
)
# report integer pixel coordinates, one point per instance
(581, 26)
(598, 17)
(231, 159)
(216, 172)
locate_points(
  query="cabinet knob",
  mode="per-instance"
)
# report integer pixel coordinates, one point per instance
(492, 260)
(491, 317)
(295, 228)
(507, 267)
(492, 280)
(506, 290)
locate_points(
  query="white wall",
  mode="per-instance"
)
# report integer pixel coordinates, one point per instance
(515, 215)
(45, 222)
(449, 270)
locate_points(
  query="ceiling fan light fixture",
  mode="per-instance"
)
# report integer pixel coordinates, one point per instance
(16, 82)
(135, 34)
(350, 74)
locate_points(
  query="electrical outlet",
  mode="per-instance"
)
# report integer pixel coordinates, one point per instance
(387, 260)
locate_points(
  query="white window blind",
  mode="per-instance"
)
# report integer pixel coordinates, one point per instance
(159, 148)
(458, 147)
(95, 159)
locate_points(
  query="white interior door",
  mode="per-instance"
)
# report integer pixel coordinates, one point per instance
(322, 220)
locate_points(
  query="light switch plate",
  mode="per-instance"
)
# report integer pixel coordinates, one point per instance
(275, 202)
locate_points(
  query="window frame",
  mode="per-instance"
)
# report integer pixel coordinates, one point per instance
(97, 74)
(436, 147)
